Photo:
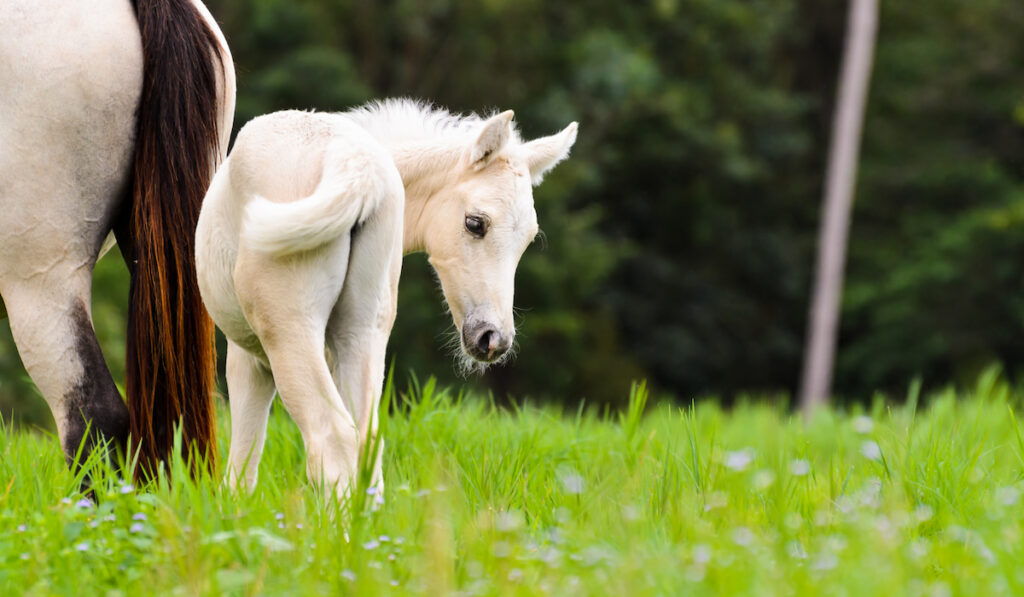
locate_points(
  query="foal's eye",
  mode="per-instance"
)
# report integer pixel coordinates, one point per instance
(476, 226)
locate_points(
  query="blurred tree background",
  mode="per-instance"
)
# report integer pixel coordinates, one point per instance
(679, 237)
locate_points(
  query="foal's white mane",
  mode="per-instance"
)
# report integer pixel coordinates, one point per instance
(403, 120)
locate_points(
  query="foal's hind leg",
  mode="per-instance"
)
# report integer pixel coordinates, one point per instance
(250, 393)
(52, 327)
(287, 301)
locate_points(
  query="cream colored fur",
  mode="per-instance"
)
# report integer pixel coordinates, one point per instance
(299, 250)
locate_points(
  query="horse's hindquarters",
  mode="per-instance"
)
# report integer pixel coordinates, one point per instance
(71, 76)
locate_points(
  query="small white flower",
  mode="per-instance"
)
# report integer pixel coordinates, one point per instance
(515, 575)
(573, 483)
(279, 516)
(508, 521)
(863, 424)
(701, 554)
(763, 479)
(1008, 496)
(348, 575)
(923, 513)
(870, 450)
(82, 547)
(799, 467)
(695, 573)
(84, 504)
(716, 499)
(825, 561)
(919, 548)
(630, 513)
(796, 550)
(137, 527)
(501, 549)
(742, 536)
(551, 556)
(740, 459)
(139, 516)
(127, 488)
(371, 544)
(836, 543)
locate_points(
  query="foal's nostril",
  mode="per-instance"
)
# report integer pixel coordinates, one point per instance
(483, 341)
(487, 343)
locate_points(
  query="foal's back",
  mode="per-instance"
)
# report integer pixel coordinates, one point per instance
(280, 156)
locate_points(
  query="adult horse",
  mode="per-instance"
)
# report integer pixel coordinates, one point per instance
(113, 115)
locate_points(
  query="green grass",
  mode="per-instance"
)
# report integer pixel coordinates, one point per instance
(537, 501)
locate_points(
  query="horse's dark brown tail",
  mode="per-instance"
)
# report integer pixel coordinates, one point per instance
(170, 360)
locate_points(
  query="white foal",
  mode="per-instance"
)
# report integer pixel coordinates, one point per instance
(299, 249)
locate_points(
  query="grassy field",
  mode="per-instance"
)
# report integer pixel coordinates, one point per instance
(480, 501)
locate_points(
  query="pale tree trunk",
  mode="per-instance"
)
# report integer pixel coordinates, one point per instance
(823, 321)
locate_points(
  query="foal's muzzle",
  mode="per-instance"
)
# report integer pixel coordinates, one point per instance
(484, 342)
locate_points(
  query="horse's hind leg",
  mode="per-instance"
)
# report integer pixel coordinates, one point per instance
(52, 327)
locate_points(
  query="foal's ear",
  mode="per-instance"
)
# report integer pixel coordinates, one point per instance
(544, 154)
(495, 134)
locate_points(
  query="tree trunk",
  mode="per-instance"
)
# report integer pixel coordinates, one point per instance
(840, 179)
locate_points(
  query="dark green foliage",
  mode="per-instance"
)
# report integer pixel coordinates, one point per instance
(936, 277)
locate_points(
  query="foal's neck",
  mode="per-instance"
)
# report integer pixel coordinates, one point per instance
(426, 168)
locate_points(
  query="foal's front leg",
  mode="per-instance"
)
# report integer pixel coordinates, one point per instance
(359, 375)
(359, 327)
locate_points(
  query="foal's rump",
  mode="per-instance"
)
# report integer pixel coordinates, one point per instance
(308, 179)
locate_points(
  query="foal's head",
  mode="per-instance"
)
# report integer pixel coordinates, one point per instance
(481, 226)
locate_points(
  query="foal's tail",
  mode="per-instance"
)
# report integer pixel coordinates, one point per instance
(345, 197)
(171, 361)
